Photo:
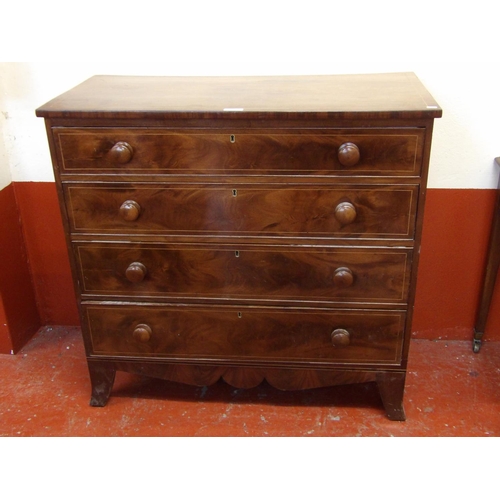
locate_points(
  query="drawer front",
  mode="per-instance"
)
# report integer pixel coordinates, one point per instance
(253, 273)
(246, 210)
(262, 335)
(340, 152)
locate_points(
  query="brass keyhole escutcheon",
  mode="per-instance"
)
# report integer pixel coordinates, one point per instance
(232, 138)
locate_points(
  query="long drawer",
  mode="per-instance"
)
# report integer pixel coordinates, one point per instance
(389, 151)
(245, 335)
(245, 272)
(248, 210)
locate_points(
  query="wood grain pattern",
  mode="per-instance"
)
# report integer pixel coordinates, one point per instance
(245, 272)
(391, 386)
(102, 376)
(390, 95)
(259, 228)
(391, 383)
(246, 377)
(382, 151)
(245, 210)
(247, 335)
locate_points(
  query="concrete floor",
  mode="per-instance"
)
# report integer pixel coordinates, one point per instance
(45, 391)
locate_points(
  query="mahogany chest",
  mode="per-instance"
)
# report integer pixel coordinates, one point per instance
(245, 228)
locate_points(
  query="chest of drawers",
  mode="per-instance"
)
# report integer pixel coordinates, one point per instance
(250, 229)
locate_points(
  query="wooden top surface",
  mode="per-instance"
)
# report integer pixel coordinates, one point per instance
(341, 96)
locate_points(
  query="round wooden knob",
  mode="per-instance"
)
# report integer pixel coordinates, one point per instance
(345, 213)
(142, 333)
(340, 337)
(136, 272)
(121, 152)
(348, 154)
(343, 277)
(130, 210)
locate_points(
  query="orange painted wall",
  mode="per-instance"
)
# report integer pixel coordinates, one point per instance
(456, 231)
(19, 318)
(46, 246)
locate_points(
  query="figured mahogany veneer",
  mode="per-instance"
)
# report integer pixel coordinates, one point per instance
(247, 336)
(237, 151)
(254, 273)
(245, 228)
(249, 209)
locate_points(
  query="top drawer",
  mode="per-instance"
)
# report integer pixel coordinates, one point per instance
(241, 152)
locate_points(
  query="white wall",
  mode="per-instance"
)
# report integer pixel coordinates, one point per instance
(453, 50)
(5, 175)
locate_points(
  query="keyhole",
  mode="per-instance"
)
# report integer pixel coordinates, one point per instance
(239, 315)
(235, 192)
(232, 138)
(237, 253)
